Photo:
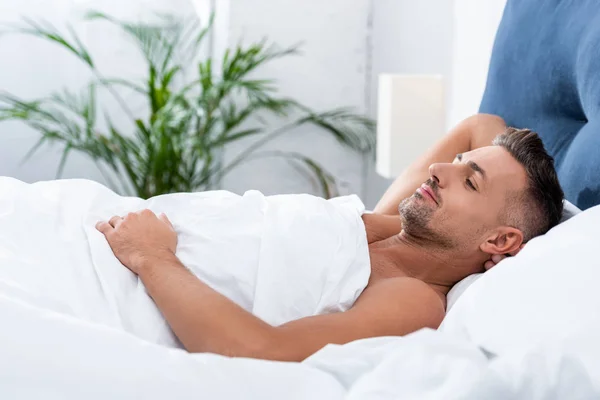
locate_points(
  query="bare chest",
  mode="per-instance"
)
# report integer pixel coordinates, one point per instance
(382, 266)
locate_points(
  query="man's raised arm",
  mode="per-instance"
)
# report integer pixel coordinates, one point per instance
(474, 132)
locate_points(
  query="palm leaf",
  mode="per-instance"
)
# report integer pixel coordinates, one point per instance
(89, 111)
(41, 141)
(236, 65)
(156, 41)
(63, 161)
(124, 83)
(326, 182)
(357, 132)
(350, 129)
(169, 75)
(44, 30)
(15, 108)
(195, 36)
(236, 136)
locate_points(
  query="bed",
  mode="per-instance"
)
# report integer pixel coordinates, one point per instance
(526, 330)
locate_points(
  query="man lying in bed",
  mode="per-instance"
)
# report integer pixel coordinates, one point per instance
(478, 201)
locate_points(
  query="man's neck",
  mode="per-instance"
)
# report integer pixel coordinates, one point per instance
(438, 267)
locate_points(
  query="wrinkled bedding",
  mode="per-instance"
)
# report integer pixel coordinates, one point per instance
(75, 324)
(280, 257)
(52, 356)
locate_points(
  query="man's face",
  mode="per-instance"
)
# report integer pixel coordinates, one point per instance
(463, 200)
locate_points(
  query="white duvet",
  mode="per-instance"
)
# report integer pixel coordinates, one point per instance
(75, 324)
(49, 356)
(279, 257)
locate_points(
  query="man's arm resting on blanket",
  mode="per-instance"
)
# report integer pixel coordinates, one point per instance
(206, 321)
(472, 133)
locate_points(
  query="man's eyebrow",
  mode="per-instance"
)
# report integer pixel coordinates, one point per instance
(474, 166)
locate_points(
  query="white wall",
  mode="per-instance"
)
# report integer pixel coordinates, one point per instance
(331, 72)
(475, 28)
(409, 37)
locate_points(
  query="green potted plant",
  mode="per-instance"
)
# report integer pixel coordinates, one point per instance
(175, 147)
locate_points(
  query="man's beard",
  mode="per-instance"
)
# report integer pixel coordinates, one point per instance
(416, 220)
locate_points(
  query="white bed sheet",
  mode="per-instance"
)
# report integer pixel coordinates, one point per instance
(76, 359)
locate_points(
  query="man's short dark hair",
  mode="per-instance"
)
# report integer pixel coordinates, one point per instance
(540, 206)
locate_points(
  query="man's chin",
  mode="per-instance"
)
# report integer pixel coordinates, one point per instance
(417, 223)
(415, 204)
(413, 212)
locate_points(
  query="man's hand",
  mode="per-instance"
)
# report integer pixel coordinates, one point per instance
(139, 237)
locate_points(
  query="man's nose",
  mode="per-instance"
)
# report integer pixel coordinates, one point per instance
(434, 170)
(440, 173)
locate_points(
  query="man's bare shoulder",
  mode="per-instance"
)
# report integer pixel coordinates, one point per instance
(405, 303)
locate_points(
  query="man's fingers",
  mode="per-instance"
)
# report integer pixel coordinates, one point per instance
(515, 252)
(163, 217)
(104, 227)
(114, 221)
(496, 258)
(146, 213)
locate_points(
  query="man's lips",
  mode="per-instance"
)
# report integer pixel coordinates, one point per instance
(425, 189)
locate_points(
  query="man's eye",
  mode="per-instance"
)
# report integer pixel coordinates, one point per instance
(470, 184)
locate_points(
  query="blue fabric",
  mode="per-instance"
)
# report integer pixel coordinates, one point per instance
(544, 75)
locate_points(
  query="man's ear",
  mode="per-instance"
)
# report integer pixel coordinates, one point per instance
(504, 240)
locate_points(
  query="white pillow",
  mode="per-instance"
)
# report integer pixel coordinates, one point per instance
(459, 289)
(569, 211)
(545, 293)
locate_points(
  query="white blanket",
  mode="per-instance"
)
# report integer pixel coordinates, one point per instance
(52, 356)
(279, 257)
